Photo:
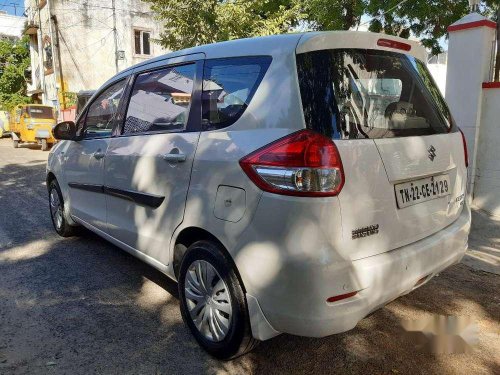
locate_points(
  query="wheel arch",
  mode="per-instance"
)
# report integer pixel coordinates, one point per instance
(48, 180)
(50, 177)
(188, 236)
(260, 327)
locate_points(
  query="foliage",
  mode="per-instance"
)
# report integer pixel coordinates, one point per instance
(14, 60)
(194, 22)
(426, 19)
(70, 98)
(334, 14)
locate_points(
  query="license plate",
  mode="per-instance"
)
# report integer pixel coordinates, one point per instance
(423, 190)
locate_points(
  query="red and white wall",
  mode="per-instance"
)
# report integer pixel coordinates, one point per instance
(487, 186)
(475, 104)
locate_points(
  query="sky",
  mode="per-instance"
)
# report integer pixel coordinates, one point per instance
(8, 5)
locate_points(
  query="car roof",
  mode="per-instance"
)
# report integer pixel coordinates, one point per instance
(264, 45)
(359, 39)
(274, 45)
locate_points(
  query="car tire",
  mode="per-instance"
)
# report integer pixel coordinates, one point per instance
(45, 145)
(221, 326)
(56, 207)
(15, 143)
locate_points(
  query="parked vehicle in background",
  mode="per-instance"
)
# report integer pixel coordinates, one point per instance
(33, 123)
(4, 124)
(290, 184)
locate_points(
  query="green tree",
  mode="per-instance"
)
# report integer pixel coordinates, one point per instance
(14, 60)
(425, 19)
(333, 14)
(194, 22)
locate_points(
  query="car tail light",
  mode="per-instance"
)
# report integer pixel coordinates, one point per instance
(304, 163)
(466, 154)
(394, 44)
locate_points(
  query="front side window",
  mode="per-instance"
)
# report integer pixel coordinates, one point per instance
(160, 100)
(101, 115)
(142, 42)
(228, 86)
(355, 93)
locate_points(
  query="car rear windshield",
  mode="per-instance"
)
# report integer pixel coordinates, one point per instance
(40, 112)
(359, 93)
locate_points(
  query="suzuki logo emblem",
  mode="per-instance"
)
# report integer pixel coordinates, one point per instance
(432, 152)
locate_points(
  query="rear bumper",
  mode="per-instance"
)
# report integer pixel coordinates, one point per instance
(299, 305)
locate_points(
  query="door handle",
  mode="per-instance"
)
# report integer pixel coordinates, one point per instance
(178, 158)
(98, 154)
(175, 156)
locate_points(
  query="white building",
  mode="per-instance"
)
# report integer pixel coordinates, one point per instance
(79, 44)
(11, 27)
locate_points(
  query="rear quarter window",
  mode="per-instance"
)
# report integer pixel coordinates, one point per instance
(228, 87)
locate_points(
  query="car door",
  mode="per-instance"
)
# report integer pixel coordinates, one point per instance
(148, 165)
(84, 159)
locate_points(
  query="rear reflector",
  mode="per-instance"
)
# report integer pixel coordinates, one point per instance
(393, 44)
(304, 164)
(466, 154)
(342, 296)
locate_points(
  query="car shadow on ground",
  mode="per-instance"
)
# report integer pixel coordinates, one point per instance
(81, 305)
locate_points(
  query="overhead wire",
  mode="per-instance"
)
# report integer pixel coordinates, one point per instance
(84, 20)
(87, 5)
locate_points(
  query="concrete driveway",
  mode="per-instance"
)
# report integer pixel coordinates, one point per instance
(81, 306)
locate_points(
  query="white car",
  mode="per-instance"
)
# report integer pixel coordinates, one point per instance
(290, 184)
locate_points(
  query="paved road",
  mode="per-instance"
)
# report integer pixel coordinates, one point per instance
(81, 305)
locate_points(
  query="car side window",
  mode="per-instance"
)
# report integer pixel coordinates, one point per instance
(101, 115)
(228, 87)
(160, 100)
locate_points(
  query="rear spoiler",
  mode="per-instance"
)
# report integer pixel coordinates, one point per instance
(359, 40)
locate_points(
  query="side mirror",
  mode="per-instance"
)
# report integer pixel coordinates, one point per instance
(65, 130)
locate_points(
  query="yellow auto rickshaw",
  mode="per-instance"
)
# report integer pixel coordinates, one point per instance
(33, 123)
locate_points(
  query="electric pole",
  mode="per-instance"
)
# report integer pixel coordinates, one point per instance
(115, 35)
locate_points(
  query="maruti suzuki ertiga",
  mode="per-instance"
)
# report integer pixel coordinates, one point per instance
(290, 184)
